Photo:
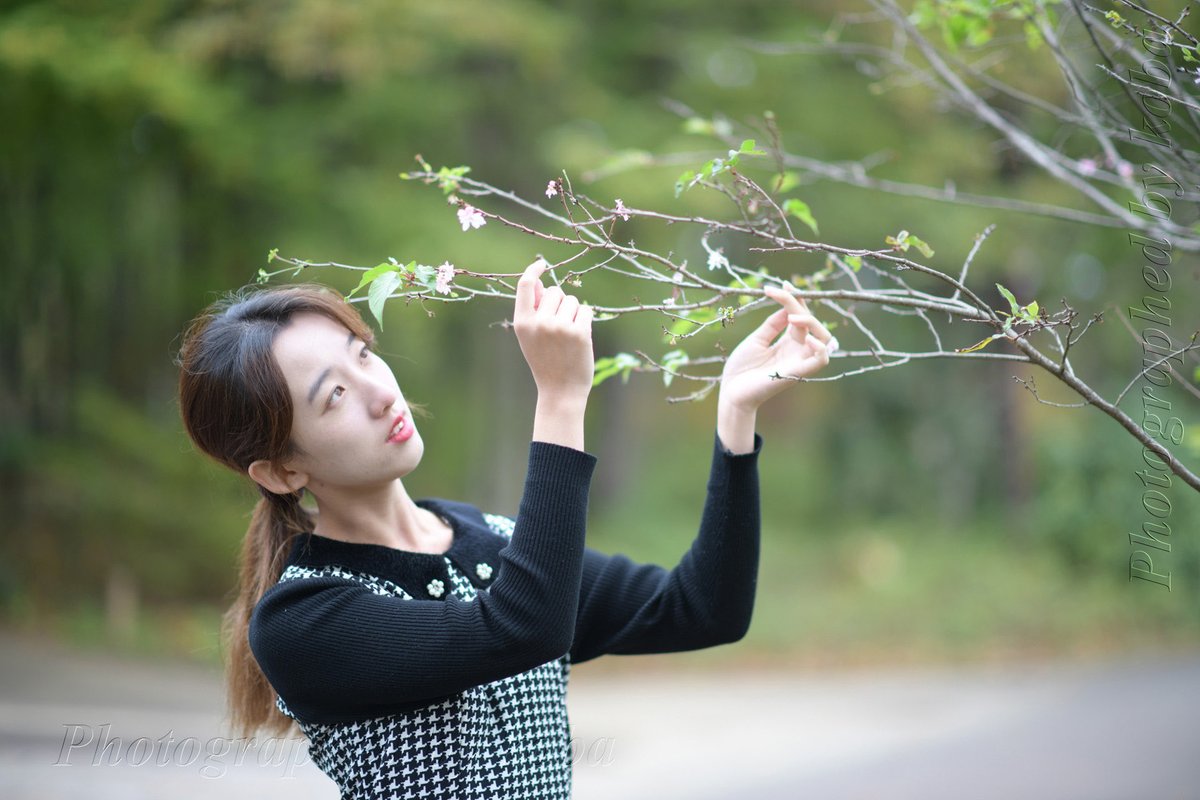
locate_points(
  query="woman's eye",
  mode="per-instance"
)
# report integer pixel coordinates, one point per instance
(364, 353)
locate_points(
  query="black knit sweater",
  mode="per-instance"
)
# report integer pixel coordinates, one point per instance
(444, 675)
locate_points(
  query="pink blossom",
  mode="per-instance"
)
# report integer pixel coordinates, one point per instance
(621, 210)
(471, 217)
(1125, 169)
(551, 188)
(1087, 166)
(445, 274)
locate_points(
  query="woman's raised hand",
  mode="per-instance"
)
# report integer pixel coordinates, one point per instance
(802, 350)
(555, 334)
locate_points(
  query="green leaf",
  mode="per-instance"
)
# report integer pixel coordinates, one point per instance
(1031, 311)
(976, 346)
(699, 126)
(800, 210)
(749, 149)
(606, 367)
(923, 14)
(372, 274)
(854, 262)
(785, 182)
(680, 327)
(978, 35)
(426, 276)
(672, 361)
(1196, 375)
(448, 178)
(903, 240)
(692, 318)
(686, 181)
(1033, 37)
(925, 249)
(1012, 301)
(382, 288)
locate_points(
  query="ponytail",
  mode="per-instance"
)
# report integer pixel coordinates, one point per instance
(236, 407)
(276, 521)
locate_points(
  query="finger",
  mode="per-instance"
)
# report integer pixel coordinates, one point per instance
(529, 288)
(804, 326)
(551, 299)
(584, 317)
(796, 305)
(771, 327)
(568, 307)
(821, 351)
(814, 325)
(809, 364)
(791, 302)
(800, 326)
(585, 314)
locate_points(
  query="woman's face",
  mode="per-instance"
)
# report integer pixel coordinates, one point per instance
(345, 402)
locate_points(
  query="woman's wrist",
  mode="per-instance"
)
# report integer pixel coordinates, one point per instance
(735, 427)
(559, 420)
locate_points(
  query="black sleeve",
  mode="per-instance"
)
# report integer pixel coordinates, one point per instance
(336, 651)
(706, 600)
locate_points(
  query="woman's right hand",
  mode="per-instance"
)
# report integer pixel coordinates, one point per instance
(555, 333)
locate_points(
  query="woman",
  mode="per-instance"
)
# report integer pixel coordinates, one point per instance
(423, 646)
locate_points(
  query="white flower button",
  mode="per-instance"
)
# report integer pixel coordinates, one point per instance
(484, 571)
(436, 588)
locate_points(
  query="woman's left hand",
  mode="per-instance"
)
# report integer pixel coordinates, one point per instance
(802, 350)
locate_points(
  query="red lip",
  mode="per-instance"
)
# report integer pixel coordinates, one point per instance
(393, 425)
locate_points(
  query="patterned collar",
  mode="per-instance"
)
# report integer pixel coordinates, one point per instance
(474, 551)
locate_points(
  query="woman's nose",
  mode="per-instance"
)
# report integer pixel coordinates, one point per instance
(383, 398)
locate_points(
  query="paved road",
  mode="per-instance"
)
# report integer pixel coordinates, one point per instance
(86, 726)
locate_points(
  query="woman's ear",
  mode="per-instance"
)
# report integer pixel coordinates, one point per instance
(275, 478)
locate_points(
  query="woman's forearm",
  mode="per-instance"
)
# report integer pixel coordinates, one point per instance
(559, 420)
(735, 427)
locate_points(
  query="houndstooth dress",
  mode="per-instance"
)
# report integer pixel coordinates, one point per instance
(505, 739)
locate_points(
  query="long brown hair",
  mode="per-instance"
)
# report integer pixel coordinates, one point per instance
(236, 408)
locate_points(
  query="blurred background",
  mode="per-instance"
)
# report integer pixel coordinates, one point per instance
(930, 517)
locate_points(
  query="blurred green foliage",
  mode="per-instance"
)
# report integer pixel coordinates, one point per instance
(153, 152)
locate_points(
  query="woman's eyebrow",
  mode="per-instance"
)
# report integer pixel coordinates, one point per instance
(312, 393)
